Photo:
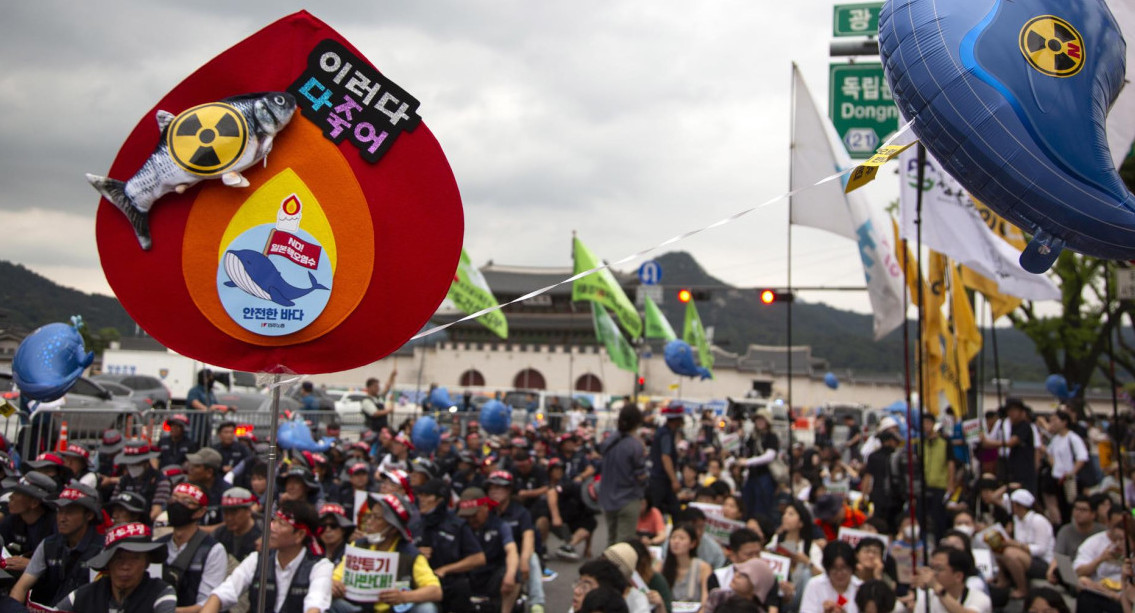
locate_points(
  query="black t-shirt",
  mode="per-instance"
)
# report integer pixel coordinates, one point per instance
(1022, 458)
(879, 467)
(762, 443)
(493, 536)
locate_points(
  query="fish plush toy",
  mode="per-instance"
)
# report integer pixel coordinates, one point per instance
(1011, 97)
(209, 141)
(49, 361)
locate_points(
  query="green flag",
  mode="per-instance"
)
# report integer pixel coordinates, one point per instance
(620, 351)
(656, 324)
(470, 293)
(694, 334)
(602, 287)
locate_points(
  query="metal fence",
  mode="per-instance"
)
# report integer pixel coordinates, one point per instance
(33, 434)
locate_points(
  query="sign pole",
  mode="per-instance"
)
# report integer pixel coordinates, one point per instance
(269, 493)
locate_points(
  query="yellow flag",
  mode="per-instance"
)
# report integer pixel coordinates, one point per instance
(963, 343)
(1002, 304)
(934, 332)
(905, 258)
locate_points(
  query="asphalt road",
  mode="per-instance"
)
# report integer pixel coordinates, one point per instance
(557, 593)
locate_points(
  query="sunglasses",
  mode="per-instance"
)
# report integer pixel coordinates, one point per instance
(331, 526)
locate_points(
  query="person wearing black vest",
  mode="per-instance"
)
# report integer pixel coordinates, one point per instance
(29, 519)
(112, 443)
(176, 446)
(372, 407)
(449, 544)
(124, 586)
(57, 567)
(301, 577)
(523, 531)
(385, 526)
(497, 579)
(240, 532)
(195, 563)
(232, 451)
(127, 508)
(354, 494)
(141, 477)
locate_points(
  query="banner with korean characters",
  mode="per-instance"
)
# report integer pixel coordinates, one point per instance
(366, 573)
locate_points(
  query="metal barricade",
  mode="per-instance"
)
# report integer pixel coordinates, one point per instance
(40, 431)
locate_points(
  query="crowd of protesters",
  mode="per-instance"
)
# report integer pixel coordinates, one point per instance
(1016, 510)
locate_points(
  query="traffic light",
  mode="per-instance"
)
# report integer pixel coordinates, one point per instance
(773, 296)
(684, 295)
(641, 386)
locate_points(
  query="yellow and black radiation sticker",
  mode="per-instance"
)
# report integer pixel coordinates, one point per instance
(1052, 46)
(207, 139)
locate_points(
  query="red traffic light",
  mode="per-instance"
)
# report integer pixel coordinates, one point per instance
(772, 296)
(684, 295)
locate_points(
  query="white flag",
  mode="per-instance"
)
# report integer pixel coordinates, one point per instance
(952, 225)
(817, 152)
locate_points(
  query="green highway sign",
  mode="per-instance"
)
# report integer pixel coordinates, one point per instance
(860, 19)
(861, 107)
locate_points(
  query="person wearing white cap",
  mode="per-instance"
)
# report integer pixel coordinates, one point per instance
(872, 444)
(1028, 553)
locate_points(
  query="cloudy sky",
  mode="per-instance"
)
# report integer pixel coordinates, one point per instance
(628, 121)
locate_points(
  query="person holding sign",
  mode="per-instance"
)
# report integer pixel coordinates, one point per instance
(942, 585)
(301, 577)
(385, 527)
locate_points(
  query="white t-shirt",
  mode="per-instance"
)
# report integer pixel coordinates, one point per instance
(820, 590)
(1065, 450)
(1093, 547)
(974, 600)
(1035, 531)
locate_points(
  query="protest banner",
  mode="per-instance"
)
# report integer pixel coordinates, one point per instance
(707, 508)
(731, 442)
(368, 573)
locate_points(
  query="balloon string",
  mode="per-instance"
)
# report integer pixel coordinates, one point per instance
(670, 241)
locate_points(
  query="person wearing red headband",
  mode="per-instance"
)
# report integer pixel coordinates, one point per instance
(195, 562)
(301, 577)
(497, 579)
(58, 567)
(124, 585)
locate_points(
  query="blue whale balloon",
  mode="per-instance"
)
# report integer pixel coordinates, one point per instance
(679, 358)
(1057, 385)
(1011, 97)
(49, 361)
(495, 417)
(296, 435)
(831, 381)
(439, 399)
(425, 435)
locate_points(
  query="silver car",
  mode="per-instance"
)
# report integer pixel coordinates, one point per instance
(148, 392)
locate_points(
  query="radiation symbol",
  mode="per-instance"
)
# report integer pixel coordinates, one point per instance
(1052, 46)
(207, 139)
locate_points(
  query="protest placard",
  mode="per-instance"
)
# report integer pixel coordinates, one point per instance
(971, 429)
(718, 528)
(983, 559)
(368, 573)
(780, 565)
(851, 536)
(710, 510)
(730, 442)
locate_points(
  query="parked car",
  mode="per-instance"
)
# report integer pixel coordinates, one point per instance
(39, 423)
(148, 392)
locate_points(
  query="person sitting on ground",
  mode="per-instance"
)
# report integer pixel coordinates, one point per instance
(836, 588)
(687, 576)
(1073, 534)
(752, 580)
(593, 574)
(658, 592)
(875, 597)
(1099, 564)
(336, 530)
(124, 585)
(142, 478)
(240, 531)
(58, 567)
(942, 585)
(625, 559)
(1028, 553)
(603, 600)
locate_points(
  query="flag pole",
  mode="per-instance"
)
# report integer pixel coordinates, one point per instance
(788, 305)
(1116, 443)
(921, 363)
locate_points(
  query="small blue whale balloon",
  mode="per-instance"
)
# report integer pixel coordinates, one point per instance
(495, 417)
(1011, 97)
(1057, 385)
(679, 358)
(831, 381)
(49, 361)
(425, 435)
(439, 399)
(296, 435)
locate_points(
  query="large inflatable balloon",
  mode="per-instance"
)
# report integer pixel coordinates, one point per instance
(439, 399)
(1012, 98)
(1057, 385)
(831, 381)
(296, 435)
(680, 358)
(495, 417)
(425, 435)
(49, 361)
